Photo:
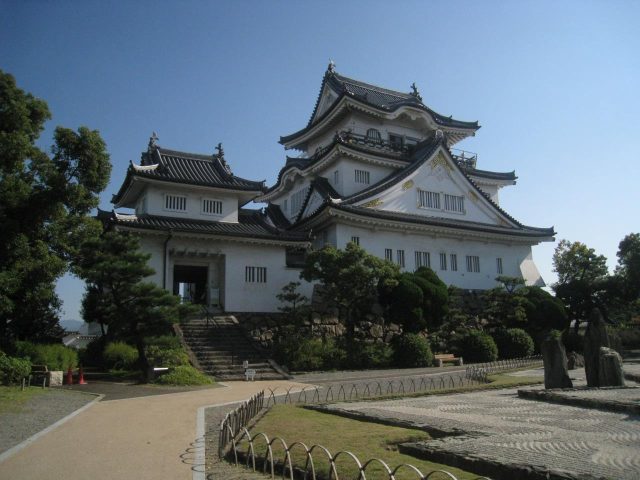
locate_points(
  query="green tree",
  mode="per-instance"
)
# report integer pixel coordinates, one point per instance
(44, 202)
(505, 304)
(293, 304)
(628, 268)
(350, 278)
(582, 278)
(117, 296)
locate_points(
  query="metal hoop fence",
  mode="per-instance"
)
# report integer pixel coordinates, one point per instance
(236, 420)
(480, 371)
(290, 469)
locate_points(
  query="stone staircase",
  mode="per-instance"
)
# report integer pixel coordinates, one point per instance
(221, 347)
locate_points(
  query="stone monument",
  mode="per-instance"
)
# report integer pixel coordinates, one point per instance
(595, 338)
(610, 373)
(555, 362)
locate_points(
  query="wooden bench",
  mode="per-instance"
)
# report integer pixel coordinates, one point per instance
(441, 358)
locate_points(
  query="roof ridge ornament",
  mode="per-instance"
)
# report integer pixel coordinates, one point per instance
(414, 91)
(153, 141)
(220, 156)
(331, 68)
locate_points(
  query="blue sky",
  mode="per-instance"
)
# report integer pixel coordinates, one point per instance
(555, 86)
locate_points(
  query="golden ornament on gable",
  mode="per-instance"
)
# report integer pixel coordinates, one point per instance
(373, 203)
(407, 185)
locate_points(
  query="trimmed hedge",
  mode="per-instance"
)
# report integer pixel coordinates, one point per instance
(13, 370)
(375, 355)
(184, 375)
(476, 346)
(513, 343)
(54, 356)
(158, 356)
(411, 350)
(120, 356)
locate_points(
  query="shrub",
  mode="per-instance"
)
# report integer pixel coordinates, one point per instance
(54, 356)
(411, 350)
(12, 369)
(164, 341)
(573, 341)
(513, 343)
(476, 346)
(166, 357)
(629, 337)
(92, 354)
(308, 354)
(184, 375)
(375, 355)
(120, 356)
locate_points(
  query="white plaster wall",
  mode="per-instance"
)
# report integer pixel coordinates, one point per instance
(491, 190)
(347, 168)
(155, 203)
(516, 258)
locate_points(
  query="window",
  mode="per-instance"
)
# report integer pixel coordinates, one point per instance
(388, 254)
(336, 177)
(362, 176)
(473, 263)
(499, 265)
(211, 207)
(285, 204)
(396, 141)
(355, 240)
(176, 203)
(423, 259)
(400, 258)
(453, 203)
(374, 136)
(296, 200)
(428, 199)
(453, 262)
(255, 274)
(142, 205)
(443, 261)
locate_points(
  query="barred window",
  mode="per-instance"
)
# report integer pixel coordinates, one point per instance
(473, 263)
(453, 203)
(443, 261)
(388, 254)
(423, 259)
(499, 265)
(336, 177)
(176, 203)
(373, 135)
(453, 262)
(428, 199)
(355, 240)
(400, 258)
(211, 207)
(285, 205)
(362, 176)
(255, 274)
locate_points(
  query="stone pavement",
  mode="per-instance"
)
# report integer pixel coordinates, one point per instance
(498, 427)
(143, 438)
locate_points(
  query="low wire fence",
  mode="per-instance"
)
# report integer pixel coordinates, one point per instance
(325, 465)
(480, 371)
(367, 390)
(237, 420)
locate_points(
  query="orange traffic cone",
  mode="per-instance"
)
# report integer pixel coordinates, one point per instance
(81, 380)
(69, 380)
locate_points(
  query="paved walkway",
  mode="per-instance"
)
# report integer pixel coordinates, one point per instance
(500, 427)
(142, 438)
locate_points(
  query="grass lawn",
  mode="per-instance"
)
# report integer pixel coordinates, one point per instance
(13, 398)
(365, 440)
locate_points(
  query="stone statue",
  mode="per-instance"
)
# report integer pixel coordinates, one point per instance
(556, 373)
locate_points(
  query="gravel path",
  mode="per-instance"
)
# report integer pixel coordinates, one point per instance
(38, 413)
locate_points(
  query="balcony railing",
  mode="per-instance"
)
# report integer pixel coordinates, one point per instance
(376, 143)
(465, 159)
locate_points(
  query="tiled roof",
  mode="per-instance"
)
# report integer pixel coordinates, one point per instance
(488, 174)
(275, 214)
(186, 168)
(251, 223)
(374, 96)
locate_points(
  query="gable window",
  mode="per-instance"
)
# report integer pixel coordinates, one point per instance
(499, 266)
(296, 200)
(428, 199)
(473, 263)
(453, 262)
(336, 177)
(453, 203)
(362, 176)
(211, 207)
(423, 259)
(355, 240)
(374, 136)
(175, 203)
(443, 261)
(388, 254)
(396, 141)
(400, 258)
(255, 274)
